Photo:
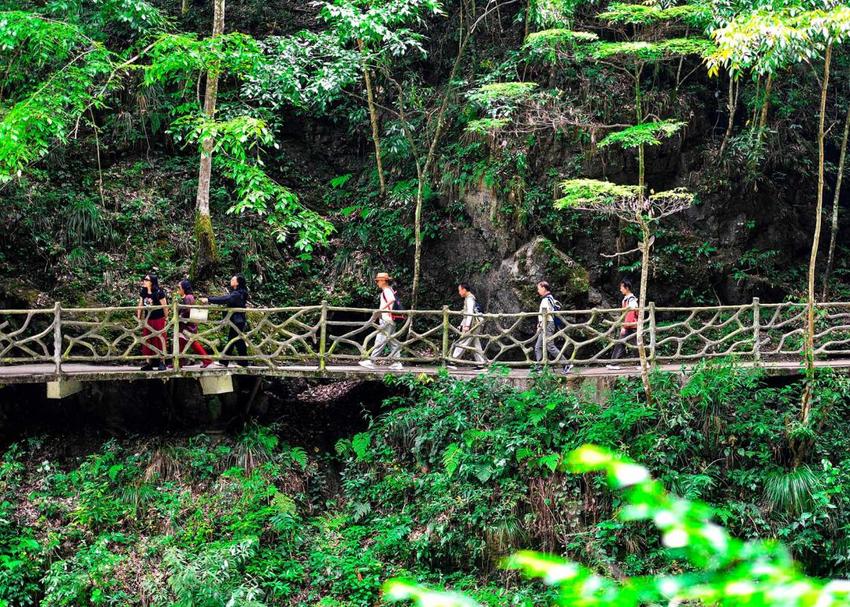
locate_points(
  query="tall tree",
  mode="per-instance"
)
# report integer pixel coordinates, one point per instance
(836, 197)
(762, 40)
(206, 251)
(655, 34)
(377, 29)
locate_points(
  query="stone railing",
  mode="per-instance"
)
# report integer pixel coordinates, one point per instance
(324, 335)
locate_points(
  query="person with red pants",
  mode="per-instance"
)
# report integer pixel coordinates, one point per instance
(189, 329)
(151, 311)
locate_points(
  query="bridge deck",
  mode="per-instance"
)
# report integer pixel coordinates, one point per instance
(40, 373)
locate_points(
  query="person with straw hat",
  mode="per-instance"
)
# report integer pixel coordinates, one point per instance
(385, 336)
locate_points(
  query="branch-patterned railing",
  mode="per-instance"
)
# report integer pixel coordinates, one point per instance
(324, 335)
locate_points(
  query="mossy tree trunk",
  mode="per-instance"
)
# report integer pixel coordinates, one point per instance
(206, 251)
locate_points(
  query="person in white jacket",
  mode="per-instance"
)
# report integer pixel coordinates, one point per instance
(386, 335)
(469, 340)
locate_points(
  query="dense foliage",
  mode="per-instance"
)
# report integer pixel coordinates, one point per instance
(374, 126)
(443, 485)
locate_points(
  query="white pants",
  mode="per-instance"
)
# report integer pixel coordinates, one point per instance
(385, 338)
(469, 343)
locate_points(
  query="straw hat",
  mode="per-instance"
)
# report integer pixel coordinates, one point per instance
(383, 276)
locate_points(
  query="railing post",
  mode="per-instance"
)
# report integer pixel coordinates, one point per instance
(57, 337)
(545, 329)
(445, 353)
(175, 346)
(756, 330)
(652, 332)
(323, 335)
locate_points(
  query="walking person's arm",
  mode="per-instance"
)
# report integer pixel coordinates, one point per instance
(229, 300)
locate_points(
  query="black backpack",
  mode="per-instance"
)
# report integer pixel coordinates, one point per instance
(477, 309)
(556, 307)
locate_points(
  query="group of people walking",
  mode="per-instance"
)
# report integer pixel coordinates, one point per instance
(549, 323)
(153, 303)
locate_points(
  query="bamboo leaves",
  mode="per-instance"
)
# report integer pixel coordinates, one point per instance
(723, 570)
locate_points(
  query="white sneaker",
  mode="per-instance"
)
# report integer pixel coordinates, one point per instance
(214, 365)
(612, 367)
(452, 367)
(396, 366)
(367, 363)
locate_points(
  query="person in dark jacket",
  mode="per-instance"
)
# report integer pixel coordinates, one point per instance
(236, 298)
(189, 329)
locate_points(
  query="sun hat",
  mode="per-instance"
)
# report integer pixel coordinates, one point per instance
(383, 276)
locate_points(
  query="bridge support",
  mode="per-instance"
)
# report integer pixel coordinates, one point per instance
(57, 390)
(216, 384)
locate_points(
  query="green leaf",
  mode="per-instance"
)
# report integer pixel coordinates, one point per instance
(648, 133)
(360, 444)
(451, 458)
(549, 461)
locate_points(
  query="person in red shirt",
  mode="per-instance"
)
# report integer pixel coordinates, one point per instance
(151, 313)
(629, 329)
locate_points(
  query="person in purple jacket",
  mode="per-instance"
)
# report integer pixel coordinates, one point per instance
(236, 298)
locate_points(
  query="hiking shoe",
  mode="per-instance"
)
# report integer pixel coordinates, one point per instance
(146, 367)
(613, 367)
(568, 368)
(213, 365)
(160, 366)
(367, 363)
(396, 366)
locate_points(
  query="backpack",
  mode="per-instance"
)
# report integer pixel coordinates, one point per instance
(631, 319)
(397, 307)
(477, 308)
(556, 307)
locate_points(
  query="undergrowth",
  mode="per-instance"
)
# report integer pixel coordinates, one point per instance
(449, 479)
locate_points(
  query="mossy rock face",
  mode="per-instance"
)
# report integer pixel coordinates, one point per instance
(513, 286)
(16, 293)
(540, 260)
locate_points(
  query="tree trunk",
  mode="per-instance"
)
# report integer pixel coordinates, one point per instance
(417, 227)
(644, 279)
(184, 7)
(639, 118)
(373, 117)
(809, 353)
(206, 253)
(426, 168)
(733, 108)
(765, 104)
(833, 235)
